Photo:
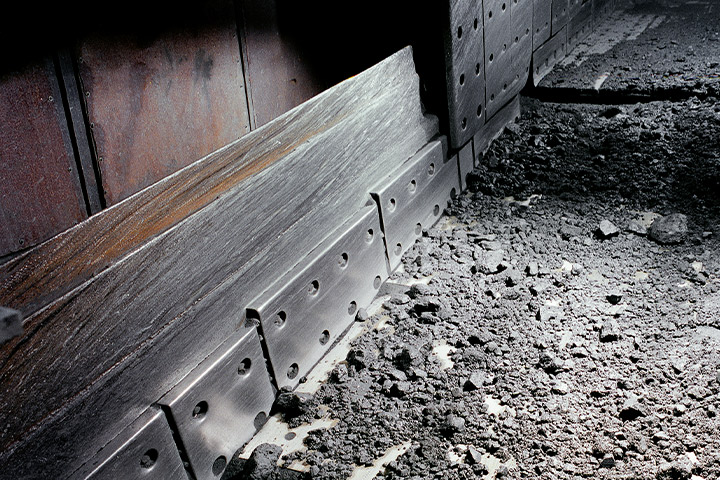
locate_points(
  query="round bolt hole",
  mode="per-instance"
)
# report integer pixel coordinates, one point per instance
(462, 79)
(491, 57)
(293, 371)
(280, 319)
(431, 169)
(436, 210)
(369, 236)
(259, 420)
(200, 410)
(503, 7)
(492, 97)
(504, 46)
(475, 24)
(517, 39)
(463, 124)
(343, 260)
(377, 282)
(313, 287)
(149, 458)
(504, 87)
(352, 308)
(490, 14)
(392, 204)
(219, 465)
(398, 250)
(412, 186)
(325, 337)
(244, 367)
(418, 229)
(479, 110)
(477, 69)
(459, 32)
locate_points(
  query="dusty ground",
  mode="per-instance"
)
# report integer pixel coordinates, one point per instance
(540, 331)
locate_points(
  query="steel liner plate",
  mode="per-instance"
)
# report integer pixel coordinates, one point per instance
(144, 450)
(495, 126)
(303, 313)
(216, 406)
(465, 74)
(542, 15)
(498, 56)
(415, 198)
(580, 26)
(560, 15)
(522, 17)
(548, 55)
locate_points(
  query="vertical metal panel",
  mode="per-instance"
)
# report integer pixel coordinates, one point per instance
(160, 100)
(542, 14)
(560, 15)
(465, 72)
(521, 12)
(580, 25)
(549, 54)
(279, 76)
(40, 192)
(498, 57)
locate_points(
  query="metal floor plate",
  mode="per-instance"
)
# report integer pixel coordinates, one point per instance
(415, 198)
(144, 450)
(216, 407)
(303, 313)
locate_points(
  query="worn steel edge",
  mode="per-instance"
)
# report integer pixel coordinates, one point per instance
(305, 311)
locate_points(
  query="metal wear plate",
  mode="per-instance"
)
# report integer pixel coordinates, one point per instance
(495, 126)
(498, 57)
(466, 163)
(581, 25)
(521, 13)
(560, 15)
(541, 21)
(549, 54)
(415, 198)
(465, 74)
(144, 450)
(217, 407)
(305, 311)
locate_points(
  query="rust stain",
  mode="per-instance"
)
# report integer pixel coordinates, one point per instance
(55, 268)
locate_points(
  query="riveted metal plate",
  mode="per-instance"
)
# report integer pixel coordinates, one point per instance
(495, 126)
(415, 198)
(521, 12)
(305, 311)
(580, 25)
(465, 74)
(144, 450)
(498, 57)
(466, 163)
(542, 13)
(548, 55)
(560, 15)
(217, 406)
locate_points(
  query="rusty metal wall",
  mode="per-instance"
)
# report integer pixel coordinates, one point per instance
(160, 99)
(40, 190)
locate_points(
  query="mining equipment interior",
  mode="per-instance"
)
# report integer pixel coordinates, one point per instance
(245, 239)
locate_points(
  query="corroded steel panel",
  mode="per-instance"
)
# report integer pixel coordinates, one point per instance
(40, 192)
(160, 100)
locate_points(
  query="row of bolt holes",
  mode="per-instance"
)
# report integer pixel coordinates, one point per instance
(150, 457)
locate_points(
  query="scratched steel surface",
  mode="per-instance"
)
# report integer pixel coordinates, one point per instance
(161, 99)
(40, 192)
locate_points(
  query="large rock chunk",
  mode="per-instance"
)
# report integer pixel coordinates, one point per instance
(670, 229)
